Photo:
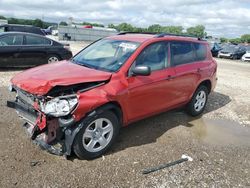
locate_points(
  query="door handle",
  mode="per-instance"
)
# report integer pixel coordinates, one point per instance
(169, 77)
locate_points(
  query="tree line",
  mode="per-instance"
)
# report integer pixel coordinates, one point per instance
(243, 39)
(35, 22)
(198, 30)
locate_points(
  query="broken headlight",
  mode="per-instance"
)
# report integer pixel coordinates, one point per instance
(59, 106)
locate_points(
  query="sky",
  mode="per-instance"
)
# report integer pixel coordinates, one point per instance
(222, 18)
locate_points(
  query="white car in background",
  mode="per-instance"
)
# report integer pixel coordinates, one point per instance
(246, 56)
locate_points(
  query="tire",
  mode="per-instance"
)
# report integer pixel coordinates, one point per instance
(52, 58)
(93, 140)
(235, 57)
(198, 102)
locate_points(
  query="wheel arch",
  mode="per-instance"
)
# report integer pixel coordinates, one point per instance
(54, 54)
(113, 106)
(70, 135)
(207, 83)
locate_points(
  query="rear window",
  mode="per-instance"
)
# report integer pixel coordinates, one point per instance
(33, 40)
(11, 40)
(200, 51)
(181, 53)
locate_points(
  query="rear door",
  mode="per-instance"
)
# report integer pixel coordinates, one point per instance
(34, 50)
(188, 67)
(10, 49)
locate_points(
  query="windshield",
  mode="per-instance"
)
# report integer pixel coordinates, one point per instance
(248, 48)
(230, 48)
(108, 55)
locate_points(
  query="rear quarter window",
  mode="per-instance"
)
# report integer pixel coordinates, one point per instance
(181, 53)
(200, 51)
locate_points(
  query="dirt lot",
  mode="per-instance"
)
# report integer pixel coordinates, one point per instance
(219, 143)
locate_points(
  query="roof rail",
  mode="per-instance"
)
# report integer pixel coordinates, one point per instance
(178, 35)
(131, 32)
(159, 35)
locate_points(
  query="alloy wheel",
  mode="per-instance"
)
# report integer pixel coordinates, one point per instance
(98, 135)
(200, 101)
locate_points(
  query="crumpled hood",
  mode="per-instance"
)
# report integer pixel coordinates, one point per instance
(41, 79)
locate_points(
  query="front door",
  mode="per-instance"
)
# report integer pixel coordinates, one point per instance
(151, 94)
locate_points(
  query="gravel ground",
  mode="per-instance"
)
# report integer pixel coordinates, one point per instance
(219, 143)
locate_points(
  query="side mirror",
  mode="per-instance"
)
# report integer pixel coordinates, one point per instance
(141, 70)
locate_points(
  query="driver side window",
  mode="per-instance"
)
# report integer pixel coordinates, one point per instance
(154, 56)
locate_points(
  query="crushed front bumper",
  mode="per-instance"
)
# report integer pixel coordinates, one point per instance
(40, 141)
(30, 115)
(57, 138)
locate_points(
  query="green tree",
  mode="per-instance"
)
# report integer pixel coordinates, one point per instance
(245, 38)
(2, 18)
(156, 28)
(223, 40)
(93, 24)
(63, 23)
(125, 27)
(38, 23)
(198, 31)
(13, 21)
(235, 41)
(173, 29)
(111, 26)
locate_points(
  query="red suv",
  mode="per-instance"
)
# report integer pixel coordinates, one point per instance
(80, 105)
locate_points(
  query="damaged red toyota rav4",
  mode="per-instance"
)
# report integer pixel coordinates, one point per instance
(79, 105)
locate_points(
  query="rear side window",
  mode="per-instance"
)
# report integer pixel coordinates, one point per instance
(200, 51)
(181, 53)
(11, 40)
(33, 40)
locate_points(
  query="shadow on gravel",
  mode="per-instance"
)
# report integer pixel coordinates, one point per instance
(148, 130)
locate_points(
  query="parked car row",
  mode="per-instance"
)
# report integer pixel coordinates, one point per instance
(18, 49)
(230, 51)
(246, 56)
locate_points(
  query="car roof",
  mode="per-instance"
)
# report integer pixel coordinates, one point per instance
(139, 37)
(31, 34)
(18, 25)
(23, 33)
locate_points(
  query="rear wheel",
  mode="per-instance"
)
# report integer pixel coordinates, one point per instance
(96, 136)
(198, 102)
(53, 59)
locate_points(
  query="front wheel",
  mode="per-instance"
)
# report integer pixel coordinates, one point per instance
(96, 136)
(198, 102)
(235, 57)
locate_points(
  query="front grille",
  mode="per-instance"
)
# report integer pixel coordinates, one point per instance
(25, 98)
(224, 52)
(26, 101)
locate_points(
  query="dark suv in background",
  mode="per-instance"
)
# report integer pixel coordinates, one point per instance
(22, 28)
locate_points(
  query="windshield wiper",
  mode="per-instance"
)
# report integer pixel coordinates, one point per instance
(83, 64)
